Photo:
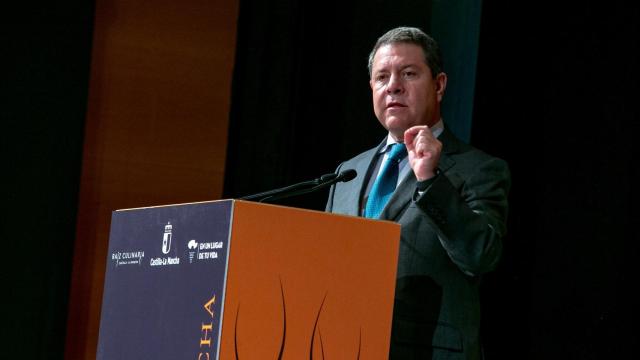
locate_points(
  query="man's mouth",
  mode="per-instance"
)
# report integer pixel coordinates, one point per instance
(395, 104)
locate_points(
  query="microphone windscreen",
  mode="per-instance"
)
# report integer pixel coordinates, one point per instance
(347, 175)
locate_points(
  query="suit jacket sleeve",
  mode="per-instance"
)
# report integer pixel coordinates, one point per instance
(470, 214)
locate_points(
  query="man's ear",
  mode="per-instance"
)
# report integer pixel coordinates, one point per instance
(441, 85)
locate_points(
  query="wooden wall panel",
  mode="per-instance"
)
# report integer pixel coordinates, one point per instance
(156, 129)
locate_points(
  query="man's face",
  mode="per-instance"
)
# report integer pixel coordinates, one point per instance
(405, 93)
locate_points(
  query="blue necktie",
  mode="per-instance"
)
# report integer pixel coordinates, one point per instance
(386, 182)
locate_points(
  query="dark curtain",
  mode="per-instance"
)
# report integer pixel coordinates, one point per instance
(46, 52)
(301, 100)
(556, 95)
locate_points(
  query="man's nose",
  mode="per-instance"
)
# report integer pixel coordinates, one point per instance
(395, 85)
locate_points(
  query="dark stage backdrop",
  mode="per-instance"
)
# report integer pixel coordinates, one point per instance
(43, 91)
(301, 101)
(156, 129)
(554, 96)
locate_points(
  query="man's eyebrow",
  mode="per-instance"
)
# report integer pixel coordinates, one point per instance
(403, 67)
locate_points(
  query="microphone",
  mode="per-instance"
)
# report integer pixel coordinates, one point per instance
(347, 175)
(303, 187)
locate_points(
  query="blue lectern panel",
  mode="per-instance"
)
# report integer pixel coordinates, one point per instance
(165, 281)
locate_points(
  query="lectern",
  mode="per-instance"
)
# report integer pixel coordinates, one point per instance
(234, 279)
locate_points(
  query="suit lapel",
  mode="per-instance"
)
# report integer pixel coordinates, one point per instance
(450, 146)
(402, 196)
(400, 199)
(363, 166)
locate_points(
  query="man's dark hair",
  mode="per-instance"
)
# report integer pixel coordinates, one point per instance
(411, 35)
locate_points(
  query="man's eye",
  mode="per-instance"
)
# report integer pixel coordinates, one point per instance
(381, 77)
(409, 74)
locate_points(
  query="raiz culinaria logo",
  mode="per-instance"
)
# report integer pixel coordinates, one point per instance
(127, 257)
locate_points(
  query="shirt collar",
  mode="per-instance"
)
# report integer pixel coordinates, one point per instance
(436, 129)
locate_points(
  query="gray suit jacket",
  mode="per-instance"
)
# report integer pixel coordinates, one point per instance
(450, 235)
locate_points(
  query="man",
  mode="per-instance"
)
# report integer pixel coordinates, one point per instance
(451, 200)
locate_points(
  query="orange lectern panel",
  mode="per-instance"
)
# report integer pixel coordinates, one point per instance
(306, 284)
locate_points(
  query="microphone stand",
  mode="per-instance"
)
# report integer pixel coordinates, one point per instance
(302, 187)
(284, 195)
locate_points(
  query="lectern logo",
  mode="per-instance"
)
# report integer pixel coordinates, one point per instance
(203, 251)
(127, 257)
(192, 245)
(166, 238)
